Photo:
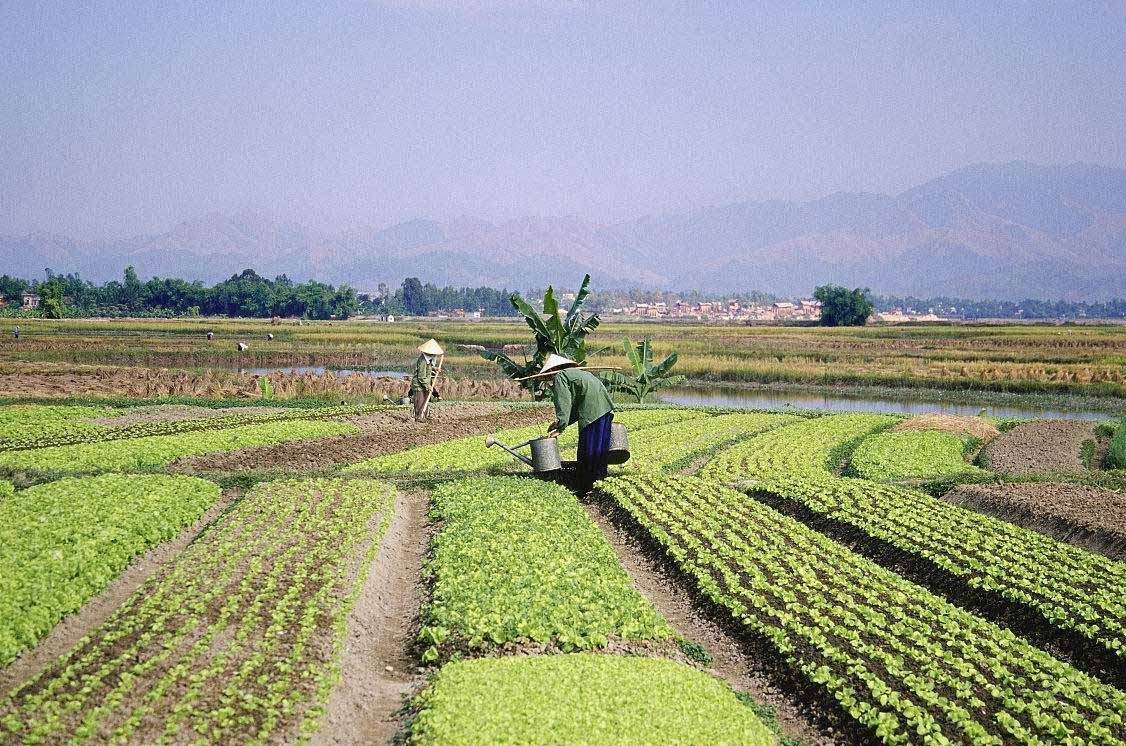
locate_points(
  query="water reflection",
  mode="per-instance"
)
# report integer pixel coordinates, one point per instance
(764, 399)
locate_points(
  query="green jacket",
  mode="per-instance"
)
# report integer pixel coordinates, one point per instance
(579, 397)
(423, 376)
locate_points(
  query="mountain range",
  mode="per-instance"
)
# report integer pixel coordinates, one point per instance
(1005, 231)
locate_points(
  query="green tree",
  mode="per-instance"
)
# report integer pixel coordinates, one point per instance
(843, 307)
(554, 334)
(646, 377)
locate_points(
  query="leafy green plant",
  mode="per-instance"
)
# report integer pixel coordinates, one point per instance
(519, 560)
(62, 542)
(554, 332)
(235, 641)
(900, 660)
(581, 699)
(914, 455)
(646, 377)
(1116, 455)
(265, 388)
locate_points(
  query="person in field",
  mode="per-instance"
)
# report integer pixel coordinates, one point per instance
(425, 373)
(583, 399)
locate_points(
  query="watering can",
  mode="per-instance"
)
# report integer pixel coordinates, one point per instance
(545, 450)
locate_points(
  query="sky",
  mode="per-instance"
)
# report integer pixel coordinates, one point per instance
(122, 118)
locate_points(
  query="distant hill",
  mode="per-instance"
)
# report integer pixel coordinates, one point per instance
(1007, 231)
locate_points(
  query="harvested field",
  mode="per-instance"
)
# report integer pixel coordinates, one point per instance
(975, 427)
(381, 433)
(1088, 517)
(1040, 447)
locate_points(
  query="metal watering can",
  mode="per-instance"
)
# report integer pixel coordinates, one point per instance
(545, 450)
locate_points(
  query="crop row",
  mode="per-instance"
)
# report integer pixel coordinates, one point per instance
(914, 455)
(63, 542)
(1070, 588)
(159, 450)
(674, 446)
(905, 663)
(21, 423)
(235, 642)
(470, 454)
(519, 560)
(81, 432)
(581, 698)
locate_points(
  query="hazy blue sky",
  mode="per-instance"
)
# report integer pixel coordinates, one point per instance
(118, 118)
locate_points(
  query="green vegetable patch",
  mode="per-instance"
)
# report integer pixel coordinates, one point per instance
(159, 450)
(914, 455)
(519, 561)
(19, 422)
(674, 445)
(582, 698)
(63, 542)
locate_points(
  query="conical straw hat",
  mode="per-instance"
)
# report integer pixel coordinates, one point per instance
(553, 364)
(431, 348)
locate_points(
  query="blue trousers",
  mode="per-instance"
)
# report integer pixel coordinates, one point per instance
(594, 451)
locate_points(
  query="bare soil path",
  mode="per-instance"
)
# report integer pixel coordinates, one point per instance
(1040, 447)
(378, 666)
(97, 609)
(733, 659)
(380, 433)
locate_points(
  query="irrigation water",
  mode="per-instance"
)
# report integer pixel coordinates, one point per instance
(740, 398)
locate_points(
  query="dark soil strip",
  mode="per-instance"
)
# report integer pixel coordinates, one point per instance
(378, 666)
(744, 660)
(1040, 447)
(382, 433)
(1065, 645)
(1090, 518)
(96, 610)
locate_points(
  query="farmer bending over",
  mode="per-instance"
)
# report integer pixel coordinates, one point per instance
(580, 397)
(425, 373)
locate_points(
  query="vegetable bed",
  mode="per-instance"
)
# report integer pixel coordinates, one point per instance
(914, 455)
(160, 450)
(673, 446)
(582, 698)
(896, 658)
(235, 642)
(63, 542)
(519, 561)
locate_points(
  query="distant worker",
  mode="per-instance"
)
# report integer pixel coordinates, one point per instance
(242, 347)
(210, 336)
(270, 336)
(16, 332)
(426, 370)
(580, 397)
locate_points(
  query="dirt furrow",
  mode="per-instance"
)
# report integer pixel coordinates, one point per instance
(733, 660)
(378, 666)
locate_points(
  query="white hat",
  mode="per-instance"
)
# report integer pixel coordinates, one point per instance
(553, 364)
(431, 348)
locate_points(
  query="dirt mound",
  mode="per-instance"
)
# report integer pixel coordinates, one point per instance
(381, 433)
(1090, 517)
(975, 427)
(1040, 447)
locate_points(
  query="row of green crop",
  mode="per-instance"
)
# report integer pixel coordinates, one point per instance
(674, 446)
(1071, 588)
(898, 659)
(160, 450)
(234, 642)
(470, 454)
(77, 431)
(63, 542)
(518, 564)
(914, 455)
(21, 423)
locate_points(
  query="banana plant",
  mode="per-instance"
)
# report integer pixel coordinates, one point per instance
(555, 333)
(646, 377)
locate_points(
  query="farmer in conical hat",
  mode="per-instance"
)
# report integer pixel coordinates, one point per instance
(581, 398)
(425, 371)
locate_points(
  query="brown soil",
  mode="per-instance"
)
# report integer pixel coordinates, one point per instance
(96, 610)
(59, 380)
(975, 427)
(378, 668)
(382, 432)
(733, 659)
(1089, 517)
(1040, 447)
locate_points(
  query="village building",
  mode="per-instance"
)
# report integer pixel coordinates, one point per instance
(30, 300)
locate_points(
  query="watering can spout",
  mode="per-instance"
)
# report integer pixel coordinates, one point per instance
(491, 441)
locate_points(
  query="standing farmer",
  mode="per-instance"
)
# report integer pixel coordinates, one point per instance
(580, 397)
(425, 371)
